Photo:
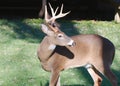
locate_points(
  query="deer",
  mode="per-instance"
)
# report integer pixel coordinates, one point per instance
(58, 52)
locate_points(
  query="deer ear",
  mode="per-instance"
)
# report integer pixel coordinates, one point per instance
(46, 30)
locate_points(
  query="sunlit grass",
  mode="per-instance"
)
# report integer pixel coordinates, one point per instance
(19, 39)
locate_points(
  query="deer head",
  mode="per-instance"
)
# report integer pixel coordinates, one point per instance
(56, 36)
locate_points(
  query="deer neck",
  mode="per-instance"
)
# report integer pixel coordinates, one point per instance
(46, 49)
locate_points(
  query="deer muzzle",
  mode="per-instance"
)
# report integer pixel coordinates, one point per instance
(71, 43)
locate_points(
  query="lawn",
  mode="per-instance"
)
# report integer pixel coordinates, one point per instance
(19, 39)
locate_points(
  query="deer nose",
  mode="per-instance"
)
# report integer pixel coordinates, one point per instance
(71, 43)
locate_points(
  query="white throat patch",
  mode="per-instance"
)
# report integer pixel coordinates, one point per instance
(52, 47)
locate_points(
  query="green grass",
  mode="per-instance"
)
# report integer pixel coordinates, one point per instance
(19, 39)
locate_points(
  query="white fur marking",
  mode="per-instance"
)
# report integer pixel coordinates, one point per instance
(71, 42)
(51, 47)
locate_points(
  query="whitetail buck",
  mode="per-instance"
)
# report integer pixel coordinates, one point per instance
(58, 52)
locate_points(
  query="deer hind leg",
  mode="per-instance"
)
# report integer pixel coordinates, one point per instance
(96, 78)
(55, 79)
(109, 74)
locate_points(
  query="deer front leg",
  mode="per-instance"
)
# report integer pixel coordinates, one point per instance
(55, 79)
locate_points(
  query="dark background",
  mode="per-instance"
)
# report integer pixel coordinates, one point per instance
(80, 9)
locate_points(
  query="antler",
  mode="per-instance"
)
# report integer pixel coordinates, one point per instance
(54, 16)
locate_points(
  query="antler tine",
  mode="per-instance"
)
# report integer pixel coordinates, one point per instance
(46, 13)
(61, 9)
(61, 14)
(56, 10)
(52, 11)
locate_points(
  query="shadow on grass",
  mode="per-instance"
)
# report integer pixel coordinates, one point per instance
(69, 28)
(25, 31)
(117, 73)
(32, 33)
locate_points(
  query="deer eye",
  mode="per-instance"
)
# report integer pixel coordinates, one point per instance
(60, 35)
(54, 25)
